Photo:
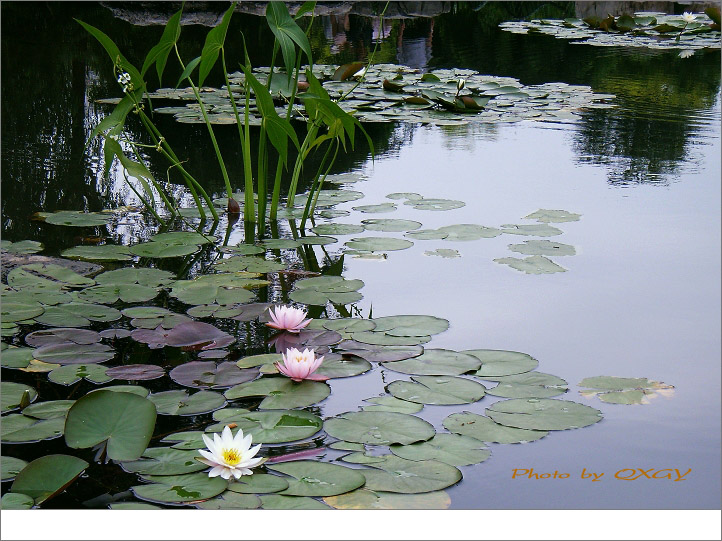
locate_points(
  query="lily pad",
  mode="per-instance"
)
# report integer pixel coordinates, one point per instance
(364, 498)
(75, 218)
(543, 414)
(258, 483)
(104, 252)
(132, 389)
(280, 502)
(281, 244)
(71, 353)
(395, 474)
(110, 294)
(15, 357)
(15, 501)
(383, 339)
(436, 362)
(427, 234)
(209, 375)
(190, 487)
(165, 461)
(529, 385)
(192, 439)
(443, 252)
(428, 203)
(77, 314)
(447, 448)
(124, 421)
(112, 334)
(242, 249)
(48, 410)
(411, 325)
(390, 403)
(323, 289)
(281, 393)
(484, 429)
(348, 325)
(499, 363)
(22, 246)
(347, 446)
(405, 195)
(259, 360)
(311, 478)
(17, 428)
(536, 230)
(379, 428)
(72, 373)
(390, 225)
(149, 277)
(466, 232)
(47, 337)
(543, 247)
(379, 244)
(216, 288)
(183, 403)
(46, 276)
(132, 506)
(161, 250)
(13, 311)
(11, 395)
(277, 426)
(135, 372)
(343, 367)
(378, 353)
(47, 476)
(231, 500)
(535, 264)
(337, 229)
(553, 216)
(376, 209)
(11, 466)
(183, 238)
(439, 390)
(249, 264)
(615, 390)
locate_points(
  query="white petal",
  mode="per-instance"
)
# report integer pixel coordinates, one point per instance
(215, 472)
(246, 472)
(209, 456)
(252, 452)
(218, 443)
(246, 443)
(208, 462)
(237, 473)
(227, 437)
(226, 473)
(209, 443)
(252, 463)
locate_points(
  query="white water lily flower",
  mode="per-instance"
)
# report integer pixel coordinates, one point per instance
(686, 53)
(229, 455)
(688, 17)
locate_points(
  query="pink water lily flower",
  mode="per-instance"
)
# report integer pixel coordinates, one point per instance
(288, 318)
(299, 365)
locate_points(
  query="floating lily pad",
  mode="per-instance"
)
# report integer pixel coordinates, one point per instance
(383, 339)
(12, 501)
(132, 506)
(535, 264)
(536, 230)
(466, 232)
(47, 337)
(348, 325)
(436, 362)
(376, 209)
(498, 363)
(183, 238)
(343, 367)
(279, 502)
(148, 277)
(553, 216)
(379, 244)
(191, 487)
(23, 246)
(278, 426)
(75, 218)
(76, 314)
(17, 428)
(390, 225)
(231, 500)
(112, 334)
(71, 353)
(47, 476)
(347, 446)
(312, 478)
(543, 247)
(46, 276)
(209, 375)
(216, 288)
(484, 429)
(443, 252)
(132, 389)
(281, 393)
(12, 311)
(104, 252)
(249, 264)
(378, 353)
(183, 403)
(543, 414)
(427, 234)
(390, 403)
(364, 498)
(404, 195)
(110, 294)
(72, 373)
(411, 325)
(447, 448)
(615, 390)
(11, 395)
(124, 420)
(322, 289)
(161, 250)
(428, 203)
(395, 474)
(259, 360)
(439, 390)
(529, 385)
(11, 466)
(379, 428)
(165, 461)
(48, 410)
(242, 249)
(258, 483)
(15, 357)
(192, 439)
(281, 244)
(135, 372)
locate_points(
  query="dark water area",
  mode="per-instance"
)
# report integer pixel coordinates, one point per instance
(641, 298)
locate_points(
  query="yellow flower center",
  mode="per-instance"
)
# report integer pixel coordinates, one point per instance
(231, 456)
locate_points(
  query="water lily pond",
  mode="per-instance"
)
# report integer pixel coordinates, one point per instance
(493, 268)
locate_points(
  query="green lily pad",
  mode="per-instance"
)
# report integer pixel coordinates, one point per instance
(347, 446)
(76, 218)
(183, 238)
(190, 487)
(484, 429)
(535, 264)
(110, 294)
(281, 244)
(71, 353)
(149, 277)
(379, 428)
(13, 501)
(323, 289)
(395, 474)
(183, 403)
(77, 314)
(615, 390)
(16, 357)
(529, 385)
(379, 353)
(382, 339)
(553, 216)
(192, 439)
(343, 367)
(280, 502)
(443, 252)
(364, 498)
(11, 466)
(427, 234)
(436, 362)
(466, 232)
(160, 250)
(499, 363)
(11, 394)
(447, 448)
(311, 478)
(17, 428)
(536, 230)
(124, 420)
(543, 247)
(165, 461)
(317, 240)
(231, 500)
(72, 373)
(132, 506)
(242, 249)
(281, 393)
(277, 426)
(12, 311)
(439, 390)
(259, 360)
(337, 229)
(216, 288)
(390, 225)
(376, 209)
(132, 389)
(46, 276)
(411, 325)
(258, 483)
(47, 476)
(48, 410)
(348, 325)
(543, 414)
(390, 403)
(249, 264)
(405, 195)
(379, 244)
(23, 246)
(428, 203)
(104, 252)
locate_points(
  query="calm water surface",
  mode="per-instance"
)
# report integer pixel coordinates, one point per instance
(640, 299)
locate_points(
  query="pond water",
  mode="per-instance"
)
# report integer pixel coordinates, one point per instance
(641, 297)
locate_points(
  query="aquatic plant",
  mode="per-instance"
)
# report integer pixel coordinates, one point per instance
(288, 318)
(300, 365)
(229, 455)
